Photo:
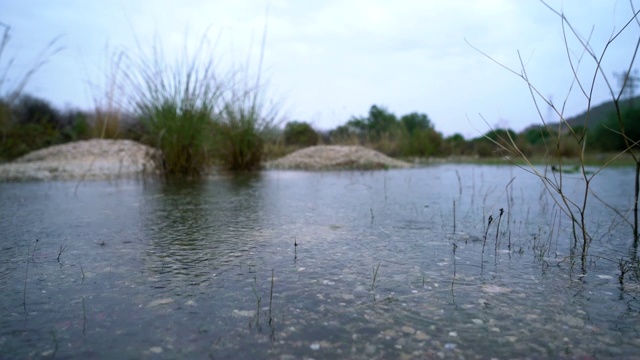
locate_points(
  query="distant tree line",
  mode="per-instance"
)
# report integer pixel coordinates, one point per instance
(408, 135)
(31, 123)
(414, 135)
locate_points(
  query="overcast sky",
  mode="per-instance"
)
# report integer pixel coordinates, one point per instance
(329, 60)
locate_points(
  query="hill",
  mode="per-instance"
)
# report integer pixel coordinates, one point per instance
(598, 113)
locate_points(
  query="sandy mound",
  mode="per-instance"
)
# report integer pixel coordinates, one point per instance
(336, 157)
(112, 159)
(92, 159)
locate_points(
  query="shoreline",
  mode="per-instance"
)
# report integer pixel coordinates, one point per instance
(100, 159)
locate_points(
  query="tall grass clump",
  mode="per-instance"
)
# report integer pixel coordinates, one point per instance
(246, 119)
(108, 114)
(574, 204)
(242, 129)
(197, 114)
(176, 102)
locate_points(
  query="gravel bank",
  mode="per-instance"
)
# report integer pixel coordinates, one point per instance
(113, 159)
(335, 157)
(91, 159)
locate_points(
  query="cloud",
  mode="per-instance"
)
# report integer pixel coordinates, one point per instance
(330, 60)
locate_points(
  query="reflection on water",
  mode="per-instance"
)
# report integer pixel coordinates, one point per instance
(383, 268)
(195, 229)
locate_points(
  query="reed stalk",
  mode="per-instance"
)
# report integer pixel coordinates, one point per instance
(455, 247)
(497, 243)
(258, 301)
(84, 316)
(454, 216)
(62, 249)
(375, 276)
(486, 232)
(26, 278)
(271, 296)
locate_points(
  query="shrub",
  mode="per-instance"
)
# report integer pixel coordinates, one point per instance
(456, 145)
(30, 124)
(387, 143)
(5, 120)
(346, 135)
(21, 135)
(300, 134)
(74, 126)
(484, 148)
(32, 110)
(420, 143)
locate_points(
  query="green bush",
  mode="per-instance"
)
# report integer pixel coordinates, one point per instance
(22, 139)
(30, 124)
(421, 143)
(456, 145)
(26, 123)
(485, 148)
(5, 125)
(74, 126)
(347, 134)
(32, 110)
(300, 134)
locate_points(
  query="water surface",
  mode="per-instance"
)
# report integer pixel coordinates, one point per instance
(383, 267)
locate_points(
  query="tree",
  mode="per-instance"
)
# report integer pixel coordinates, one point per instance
(29, 109)
(414, 121)
(421, 143)
(380, 121)
(456, 144)
(538, 135)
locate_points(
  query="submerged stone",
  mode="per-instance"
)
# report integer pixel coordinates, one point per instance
(160, 302)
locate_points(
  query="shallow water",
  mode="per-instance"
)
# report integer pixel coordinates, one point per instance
(134, 269)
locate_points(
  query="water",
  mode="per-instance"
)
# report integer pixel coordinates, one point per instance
(134, 269)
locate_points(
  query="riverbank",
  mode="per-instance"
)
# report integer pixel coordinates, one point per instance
(336, 157)
(91, 159)
(112, 159)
